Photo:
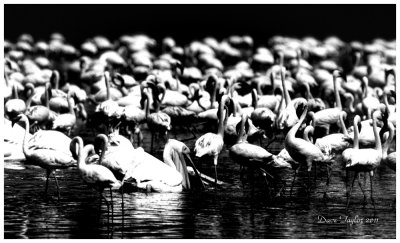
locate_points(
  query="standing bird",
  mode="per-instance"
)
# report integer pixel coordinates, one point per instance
(302, 151)
(253, 156)
(44, 156)
(210, 143)
(95, 175)
(363, 160)
(326, 117)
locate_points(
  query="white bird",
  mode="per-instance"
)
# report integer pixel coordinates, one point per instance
(95, 175)
(45, 154)
(302, 151)
(363, 160)
(210, 143)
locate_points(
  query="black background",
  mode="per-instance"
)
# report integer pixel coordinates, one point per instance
(188, 22)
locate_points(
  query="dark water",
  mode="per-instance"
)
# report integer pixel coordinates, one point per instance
(235, 210)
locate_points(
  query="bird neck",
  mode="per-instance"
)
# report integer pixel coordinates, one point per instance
(213, 96)
(291, 134)
(285, 91)
(167, 155)
(254, 98)
(25, 147)
(378, 144)
(342, 124)
(15, 90)
(106, 79)
(308, 92)
(389, 140)
(336, 90)
(350, 102)
(356, 132)
(308, 134)
(69, 100)
(223, 116)
(30, 97)
(47, 95)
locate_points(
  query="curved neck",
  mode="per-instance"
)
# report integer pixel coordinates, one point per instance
(25, 147)
(242, 134)
(350, 102)
(254, 98)
(308, 92)
(145, 96)
(364, 86)
(70, 105)
(167, 156)
(285, 91)
(295, 128)
(386, 102)
(378, 144)
(56, 79)
(103, 146)
(259, 84)
(15, 90)
(308, 134)
(81, 160)
(342, 124)
(213, 96)
(337, 96)
(223, 116)
(108, 94)
(30, 96)
(47, 95)
(356, 132)
(389, 140)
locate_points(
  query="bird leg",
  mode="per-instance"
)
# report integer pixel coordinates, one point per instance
(362, 189)
(58, 187)
(329, 173)
(315, 173)
(215, 169)
(108, 207)
(112, 206)
(371, 179)
(264, 174)
(351, 189)
(294, 179)
(48, 172)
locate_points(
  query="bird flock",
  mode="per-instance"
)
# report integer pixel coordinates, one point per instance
(333, 102)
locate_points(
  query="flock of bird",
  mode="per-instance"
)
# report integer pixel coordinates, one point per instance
(306, 90)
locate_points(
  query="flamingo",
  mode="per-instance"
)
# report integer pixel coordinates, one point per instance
(326, 117)
(335, 142)
(15, 106)
(368, 101)
(302, 151)
(95, 175)
(210, 143)
(363, 160)
(65, 122)
(157, 121)
(253, 156)
(287, 117)
(44, 153)
(262, 117)
(108, 109)
(389, 159)
(39, 114)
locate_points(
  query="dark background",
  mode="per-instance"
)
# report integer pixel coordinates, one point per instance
(188, 22)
